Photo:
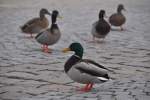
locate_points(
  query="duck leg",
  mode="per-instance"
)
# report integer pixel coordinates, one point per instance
(87, 88)
(43, 47)
(46, 50)
(121, 28)
(93, 38)
(31, 36)
(101, 40)
(90, 86)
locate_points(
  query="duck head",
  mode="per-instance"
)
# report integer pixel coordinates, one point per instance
(55, 14)
(44, 11)
(120, 8)
(102, 14)
(76, 47)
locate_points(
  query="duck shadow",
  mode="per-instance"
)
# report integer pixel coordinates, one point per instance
(51, 51)
(119, 30)
(114, 29)
(26, 37)
(97, 42)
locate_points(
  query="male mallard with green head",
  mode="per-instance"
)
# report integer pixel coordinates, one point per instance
(51, 35)
(84, 71)
(100, 28)
(118, 19)
(36, 25)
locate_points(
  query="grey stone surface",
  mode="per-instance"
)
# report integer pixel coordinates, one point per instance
(26, 73)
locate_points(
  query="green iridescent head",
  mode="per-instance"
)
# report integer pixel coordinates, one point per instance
(76, 47)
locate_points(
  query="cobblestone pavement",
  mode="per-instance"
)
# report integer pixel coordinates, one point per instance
(26, 73)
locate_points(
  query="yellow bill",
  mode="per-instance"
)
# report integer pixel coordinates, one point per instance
(60, 17)
(66, 50)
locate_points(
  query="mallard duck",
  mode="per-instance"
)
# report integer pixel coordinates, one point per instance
(100, 28)
(118, 19)
(51, 35)
(35, 25)
(84, 71)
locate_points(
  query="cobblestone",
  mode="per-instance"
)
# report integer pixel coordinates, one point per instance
(26, 73)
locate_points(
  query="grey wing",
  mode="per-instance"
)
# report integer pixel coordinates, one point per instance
(90, 69)
(95, 63)
(86, 73)
(38, 35)
(32, 21)
(30, 26)
(48, 38)
(43, 37)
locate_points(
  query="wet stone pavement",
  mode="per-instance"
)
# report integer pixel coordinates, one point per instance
(26, 73)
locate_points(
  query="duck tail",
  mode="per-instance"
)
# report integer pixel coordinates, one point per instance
(102, 79)
(23, 28)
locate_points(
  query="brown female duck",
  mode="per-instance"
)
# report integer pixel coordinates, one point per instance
(35, 25)
(118, 19)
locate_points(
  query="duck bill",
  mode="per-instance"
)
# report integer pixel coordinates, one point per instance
(60, 17)
(65, 50)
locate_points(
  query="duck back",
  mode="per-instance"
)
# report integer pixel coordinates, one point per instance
(117, 19)
(102, 27)
(35, 25)
(48, 38)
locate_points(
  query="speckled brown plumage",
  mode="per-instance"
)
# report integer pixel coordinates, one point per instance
(118, 19)
(35, 25)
